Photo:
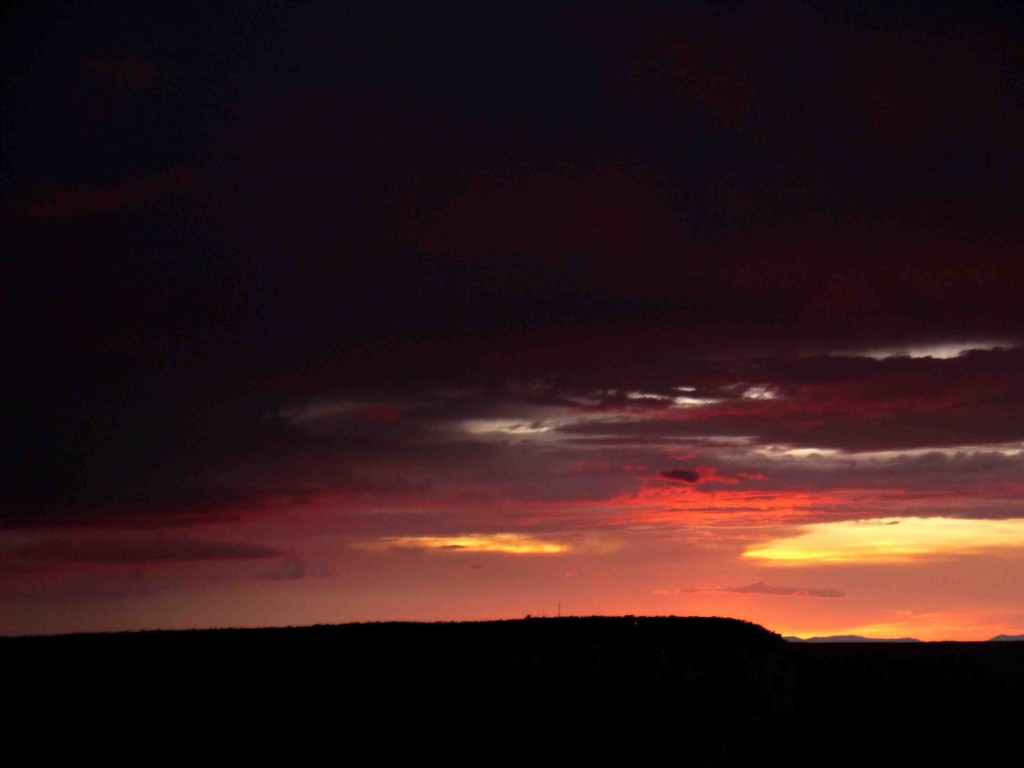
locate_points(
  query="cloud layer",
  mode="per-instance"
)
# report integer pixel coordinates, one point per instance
(679, 285)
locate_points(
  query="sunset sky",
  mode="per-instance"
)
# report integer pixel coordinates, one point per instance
(327, 312)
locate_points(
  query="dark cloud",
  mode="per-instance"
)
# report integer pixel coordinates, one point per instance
(685, 475)
(152, 507)
(669, 197)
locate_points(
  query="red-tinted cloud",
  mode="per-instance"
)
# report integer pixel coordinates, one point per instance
(589, 216)
(379, 414)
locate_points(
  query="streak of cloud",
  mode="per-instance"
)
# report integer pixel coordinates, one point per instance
(761, 588)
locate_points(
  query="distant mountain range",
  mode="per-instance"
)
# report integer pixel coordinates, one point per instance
(859, 639)
(852, 639)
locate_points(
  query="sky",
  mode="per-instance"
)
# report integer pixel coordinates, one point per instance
(320, 313)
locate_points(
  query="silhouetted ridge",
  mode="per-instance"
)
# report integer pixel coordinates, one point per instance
(587, 686)
(693, 691)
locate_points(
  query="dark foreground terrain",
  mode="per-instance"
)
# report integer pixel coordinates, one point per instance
(687, 691)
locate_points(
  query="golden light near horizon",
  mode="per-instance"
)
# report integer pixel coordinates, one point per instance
(890, 540)
(504, 543)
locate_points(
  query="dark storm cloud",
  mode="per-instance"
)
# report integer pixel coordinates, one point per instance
(685, 475)
(656, 198)
(828, 112)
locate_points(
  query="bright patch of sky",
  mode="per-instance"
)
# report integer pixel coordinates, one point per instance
(773, 451)
(504, 543)
(890, 540)
(942, 350)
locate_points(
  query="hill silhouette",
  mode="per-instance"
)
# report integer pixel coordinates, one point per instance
(696, 691)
